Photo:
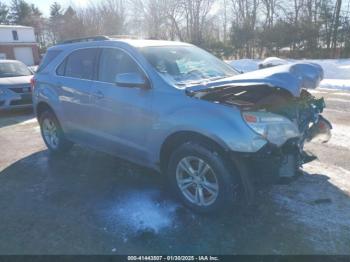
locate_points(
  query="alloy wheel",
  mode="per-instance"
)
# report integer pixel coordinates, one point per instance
(50, 133)
(197, 181)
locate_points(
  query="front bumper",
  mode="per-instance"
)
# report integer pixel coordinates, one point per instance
(272, 164)
(16, 98)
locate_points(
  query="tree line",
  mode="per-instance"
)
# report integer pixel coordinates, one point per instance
(228, 28)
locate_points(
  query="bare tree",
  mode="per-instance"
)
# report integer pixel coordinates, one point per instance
(196, 15)
(244, 28)
(105, 18)
(154, 17)
(336, 25)
(245, 22)
(271, 8)
(174, 14)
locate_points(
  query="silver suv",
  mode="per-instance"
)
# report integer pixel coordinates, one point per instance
(173, 107)
(15, 90)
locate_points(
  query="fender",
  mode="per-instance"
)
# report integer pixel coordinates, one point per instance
(220, 123)
(46, 94)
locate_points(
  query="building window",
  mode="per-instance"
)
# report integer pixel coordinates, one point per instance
(14, 35)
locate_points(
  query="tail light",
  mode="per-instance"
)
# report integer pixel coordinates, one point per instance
(32, 83)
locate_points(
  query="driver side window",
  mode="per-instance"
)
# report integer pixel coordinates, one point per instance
(114, 62)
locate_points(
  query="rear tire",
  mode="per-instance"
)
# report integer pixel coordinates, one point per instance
(201, 178)
(53, 135)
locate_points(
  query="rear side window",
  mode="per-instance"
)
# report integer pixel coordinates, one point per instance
(79, 64)
(49, 56)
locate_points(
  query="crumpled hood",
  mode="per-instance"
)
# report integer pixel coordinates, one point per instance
(6, 81)
(291, 77)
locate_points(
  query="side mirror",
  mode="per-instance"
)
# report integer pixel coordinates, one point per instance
(131, 80)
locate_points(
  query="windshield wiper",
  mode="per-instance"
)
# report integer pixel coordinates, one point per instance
(217, 78)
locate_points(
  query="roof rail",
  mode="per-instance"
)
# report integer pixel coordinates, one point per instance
(86, 39)
(124, 36)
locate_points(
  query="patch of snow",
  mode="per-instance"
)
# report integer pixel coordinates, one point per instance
(339, 84)
(338, 100)
(341, 94)
(345, 67)
(340, 136)
(141, 211)
(245, 65)
(313, 91)
(37, 129)
(333, 68)
(330, 218)
(336, 111)
(29, 121)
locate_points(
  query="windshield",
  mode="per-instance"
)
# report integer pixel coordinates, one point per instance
(12, 69)
(184, 65)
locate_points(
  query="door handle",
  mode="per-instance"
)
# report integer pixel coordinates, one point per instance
(98, 95)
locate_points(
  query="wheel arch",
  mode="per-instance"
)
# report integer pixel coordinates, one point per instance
(176, 139)
(41, 107)
(180, 137)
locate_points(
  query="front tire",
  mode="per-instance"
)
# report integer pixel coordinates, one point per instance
(201, 178)
(53, 135)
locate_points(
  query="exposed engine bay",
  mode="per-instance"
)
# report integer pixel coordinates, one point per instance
(304, 111)
(275, 104)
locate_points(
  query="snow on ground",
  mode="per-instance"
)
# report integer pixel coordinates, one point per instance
(29, 121)
(245, 65)
(141, 211)
(337, 71)
(319, 202)
(339, 84)
(333, 68)
(340, 135)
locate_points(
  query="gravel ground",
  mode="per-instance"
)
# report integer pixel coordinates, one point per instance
(92, 203)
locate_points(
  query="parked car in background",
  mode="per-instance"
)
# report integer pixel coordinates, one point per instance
(175, 108)
(15, 89)
(33, 68)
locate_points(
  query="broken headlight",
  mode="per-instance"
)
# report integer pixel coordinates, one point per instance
(275, 128)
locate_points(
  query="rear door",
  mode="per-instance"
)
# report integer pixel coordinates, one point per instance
(122, 115)
(74, 80)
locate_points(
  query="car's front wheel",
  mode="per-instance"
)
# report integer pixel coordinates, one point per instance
(201, 178)
(52, 134)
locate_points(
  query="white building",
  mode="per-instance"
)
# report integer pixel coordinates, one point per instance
(18, 42)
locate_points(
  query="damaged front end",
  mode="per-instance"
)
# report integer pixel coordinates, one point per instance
(284, 116)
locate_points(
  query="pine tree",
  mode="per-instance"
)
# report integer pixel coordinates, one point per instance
(20, 12)
(55, 22)
(4, 13)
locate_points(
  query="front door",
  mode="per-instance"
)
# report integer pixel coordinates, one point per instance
(122, 114)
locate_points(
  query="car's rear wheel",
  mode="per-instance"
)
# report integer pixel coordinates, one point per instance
(201, 178)
(52, 134)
